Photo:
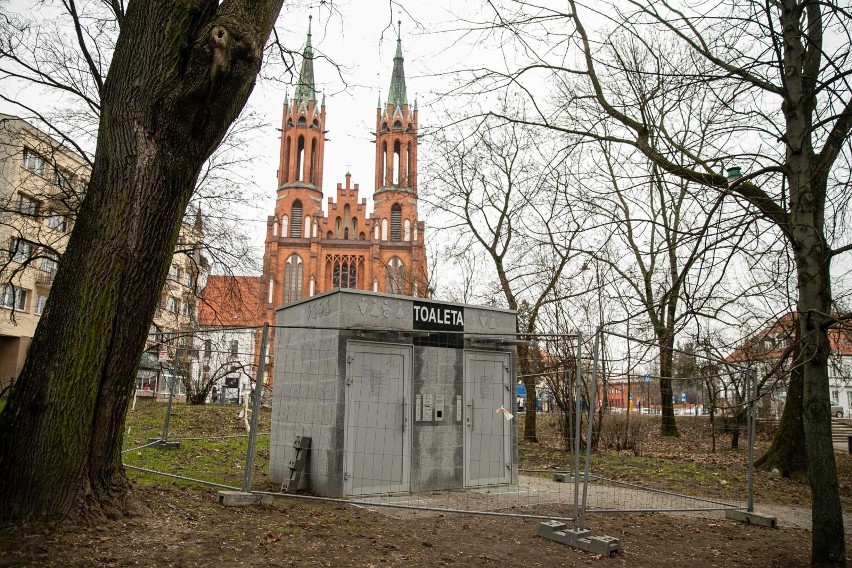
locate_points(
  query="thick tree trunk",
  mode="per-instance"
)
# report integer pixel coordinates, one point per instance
(531, 402)
(180, 74)
(787, 452)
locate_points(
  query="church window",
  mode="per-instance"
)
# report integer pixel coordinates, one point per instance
(296, 224)
(302, 120)
(300, 155)
(396, 222)
(397, 125)
(345, 274)
(394, 279)
(271, 286)
(285, 226)
(307, 233)
(376, 231)
(384, 229)
(395, 174)
(361, 236)
(375, 284)
(312, 174)
(287, 155)
(329, 235)
(293, 279)
(346, 233)
(406, 235)
(312, 287)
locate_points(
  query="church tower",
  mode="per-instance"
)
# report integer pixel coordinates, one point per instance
(309, 251)
(395, 196)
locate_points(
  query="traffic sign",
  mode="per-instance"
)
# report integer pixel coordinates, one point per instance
(163, 357)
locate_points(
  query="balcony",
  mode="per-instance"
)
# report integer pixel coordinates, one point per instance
(44, 278)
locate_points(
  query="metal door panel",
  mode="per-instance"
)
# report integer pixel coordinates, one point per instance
(377, 439)
(487, 435)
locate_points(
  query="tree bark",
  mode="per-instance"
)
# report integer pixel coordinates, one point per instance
(787, 453)
(668, 426)
(180, 74)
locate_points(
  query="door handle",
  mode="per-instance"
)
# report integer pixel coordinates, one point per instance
(469, 417)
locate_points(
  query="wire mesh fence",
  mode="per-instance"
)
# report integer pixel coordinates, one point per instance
(393, 417)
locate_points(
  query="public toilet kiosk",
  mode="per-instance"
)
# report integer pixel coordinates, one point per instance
(396, 394)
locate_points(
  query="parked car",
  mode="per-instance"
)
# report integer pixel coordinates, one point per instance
(836, 409)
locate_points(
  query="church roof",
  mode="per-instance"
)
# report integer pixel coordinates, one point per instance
(305, 89)
(397, 96)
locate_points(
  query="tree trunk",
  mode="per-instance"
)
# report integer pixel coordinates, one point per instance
(180, 74)
(787, 452)
(668, 427)
(531, 401)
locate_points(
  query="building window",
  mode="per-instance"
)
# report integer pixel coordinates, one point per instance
(27, 205)
(40, 302)
(57, 222)
(345, 274)
(20, 250)
(172, 304)
(396, 222)
(49, 264)
(186, 310)
(187, 279)
(849, 398)
(208, 348)
(174, 273)
(14, 298)
(394, 280)
(62, 179)
(33, 161)
(406, 235)
(296, 219)
(293, 279)
(235, 348)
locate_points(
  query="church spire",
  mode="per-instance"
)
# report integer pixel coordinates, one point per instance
(396, 95)
(305, 90)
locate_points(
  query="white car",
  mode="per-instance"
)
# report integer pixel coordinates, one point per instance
(836, 409)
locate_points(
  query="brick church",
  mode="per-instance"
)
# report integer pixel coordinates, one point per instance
(308, 250)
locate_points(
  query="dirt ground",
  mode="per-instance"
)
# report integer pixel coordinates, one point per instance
(188, 528)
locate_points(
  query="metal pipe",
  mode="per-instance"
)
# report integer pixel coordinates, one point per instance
(751, 388)
(171, 396)
(255, 410)
(590, 420)
(575, 423)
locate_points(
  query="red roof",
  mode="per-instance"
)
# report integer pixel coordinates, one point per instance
(771, 342)
(231, 300)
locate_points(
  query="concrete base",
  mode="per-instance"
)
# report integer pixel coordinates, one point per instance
(563, 477)
(582, 539)
(752, 518)
(164, 444)
(242, 499)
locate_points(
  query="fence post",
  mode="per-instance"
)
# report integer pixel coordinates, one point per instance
(751, 373)
(575, 422)
(255, 410)
(171, 395)
(591, 419)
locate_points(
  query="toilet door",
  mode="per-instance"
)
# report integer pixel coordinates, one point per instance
(487, 433)
(377, 439)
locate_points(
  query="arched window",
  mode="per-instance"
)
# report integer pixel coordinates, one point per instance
(346, 233)
(307, 233)
(329, 235)
(293, 279)
(345, 274)
(415, 232)
(394, 279)
(285, 226)
(376, 231)
(337, 226)
(312, 287)
(271, 286)
(300, 155)
(287, 143)
(361, 236)
(384, 229)
(312, 174)
(396, 222)
(375, 284)
(406, 234)
(275, 227)
(354, 225)
(395, 174)
(296, 221)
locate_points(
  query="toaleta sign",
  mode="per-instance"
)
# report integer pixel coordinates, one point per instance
(446, 320)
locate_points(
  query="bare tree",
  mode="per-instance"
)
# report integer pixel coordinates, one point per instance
(178, 77)
(505, 187)
(781, 73)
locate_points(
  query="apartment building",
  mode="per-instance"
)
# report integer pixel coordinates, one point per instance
(41, 184)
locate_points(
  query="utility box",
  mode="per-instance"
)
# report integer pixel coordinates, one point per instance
(397, 394)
